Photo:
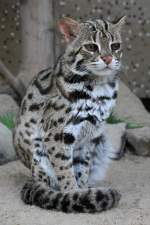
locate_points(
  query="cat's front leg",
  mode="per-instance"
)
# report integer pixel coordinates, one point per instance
(69, 139)
(82, 164)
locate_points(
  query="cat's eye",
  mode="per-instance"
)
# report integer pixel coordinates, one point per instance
(91, 47)
(115, 46)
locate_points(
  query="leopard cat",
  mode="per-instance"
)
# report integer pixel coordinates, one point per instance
(60, 131)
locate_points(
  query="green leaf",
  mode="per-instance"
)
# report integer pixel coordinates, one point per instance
(112, 119)
(131, 125)
(8, 120)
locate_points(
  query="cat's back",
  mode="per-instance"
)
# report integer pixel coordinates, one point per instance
(38, 93)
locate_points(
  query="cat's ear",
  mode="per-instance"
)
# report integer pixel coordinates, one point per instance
(120, 23)
(69, 28)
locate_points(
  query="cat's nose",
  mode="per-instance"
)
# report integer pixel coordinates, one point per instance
(107, 59)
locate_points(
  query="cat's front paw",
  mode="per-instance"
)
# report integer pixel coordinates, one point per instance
(26, 192)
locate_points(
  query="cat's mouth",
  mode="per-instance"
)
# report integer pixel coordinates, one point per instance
(99, 67)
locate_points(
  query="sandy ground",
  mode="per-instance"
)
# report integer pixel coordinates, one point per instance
(130, 175)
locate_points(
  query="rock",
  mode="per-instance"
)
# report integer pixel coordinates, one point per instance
(139, 141)
(117, 135)
(129, 176)
(130, 107)
(7, 104)
(7, 152)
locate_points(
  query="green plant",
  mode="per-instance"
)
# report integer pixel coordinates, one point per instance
(8, 120)
(112, 119)
(130, 125)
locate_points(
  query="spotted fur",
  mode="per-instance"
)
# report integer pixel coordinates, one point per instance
(60, 133)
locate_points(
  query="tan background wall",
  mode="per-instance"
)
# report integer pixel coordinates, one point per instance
(10, 40)
(136, 35)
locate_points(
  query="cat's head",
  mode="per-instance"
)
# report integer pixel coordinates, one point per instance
(94, 46)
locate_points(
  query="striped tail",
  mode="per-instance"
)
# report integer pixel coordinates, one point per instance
(85, 201)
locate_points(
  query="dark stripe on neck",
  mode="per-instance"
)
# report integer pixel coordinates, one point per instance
(75, 78)
(76, 95)
(72, 96)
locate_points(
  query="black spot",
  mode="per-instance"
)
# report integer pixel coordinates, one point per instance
(42, 120)
(55, 123)
(89, 87)
(35, 107)
(30, 95)
(27, 125)
(85, 201)
(91, 119)
(77, 120)
(78, 160)
(64, 157)
(65, 203)
(45, 180)
(33, 120)
(79, 174)
(27, 141)
(104, 205)
(53, 148)
(56, 200)
(115, 95)
(20, 133)
(99, 196)
(58, 137)
(38, 139)
(46, 139)
(75, 196)
(37, 145)
(61, 120)
(42, 172)
(40, 176)
(78, 208)
(28, 133)
(68, 138)
(112, 84)
(101, 98)
(40, 153)
(102, 113)
(58, 155)
(36, 197)
(97, 140)
(68, 109)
